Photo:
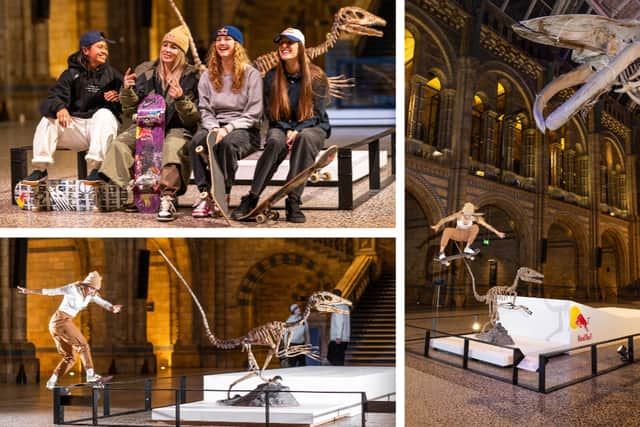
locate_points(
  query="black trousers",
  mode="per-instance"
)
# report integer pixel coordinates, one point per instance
(335, 353)
(299, 360)
(237, 145)
(303, 153)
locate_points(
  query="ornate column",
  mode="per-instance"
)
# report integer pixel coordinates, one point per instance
(447, 98)
(18, 362)
(622, 191)
(413, 110)
(508, 140)
(529, 152)
(583, 175)
(489, 136)
(603, 184)
(569, 170)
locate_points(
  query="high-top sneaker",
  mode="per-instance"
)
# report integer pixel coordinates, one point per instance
(167, 210)
(294, 214)
(247, 204)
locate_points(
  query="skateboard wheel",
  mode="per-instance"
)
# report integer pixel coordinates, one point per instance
(314, 178)
(274, 216)
(326, 176)
(261, 218)
(199, 149)
(204, 195)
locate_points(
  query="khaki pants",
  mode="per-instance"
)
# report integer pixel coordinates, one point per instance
(467, 235)
(176, 167)
(68, 338)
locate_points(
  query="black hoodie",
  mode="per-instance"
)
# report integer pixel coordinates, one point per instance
(81, 91)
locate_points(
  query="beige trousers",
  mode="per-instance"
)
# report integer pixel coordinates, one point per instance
(68, 338)
(459, 235)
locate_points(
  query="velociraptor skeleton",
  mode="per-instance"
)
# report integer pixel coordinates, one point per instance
(270, 334)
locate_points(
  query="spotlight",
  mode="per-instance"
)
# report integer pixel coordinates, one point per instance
(71, 374)
(476, 324)
(624, 353)
(437, 153)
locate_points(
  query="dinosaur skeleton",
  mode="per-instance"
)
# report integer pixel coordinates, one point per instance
(270, 334)
(608, 49)
(495, 296)
(348, 20)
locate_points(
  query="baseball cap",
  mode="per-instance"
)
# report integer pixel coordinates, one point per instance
(290, 33)
(91, 37)
(293, 307)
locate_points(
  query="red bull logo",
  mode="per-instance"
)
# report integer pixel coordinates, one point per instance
(580, 323)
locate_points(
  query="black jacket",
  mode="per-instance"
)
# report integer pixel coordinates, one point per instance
(147, 82)
(81, 91)
(319, 118)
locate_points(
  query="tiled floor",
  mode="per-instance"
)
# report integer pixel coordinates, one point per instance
(438, 394)
(377, 212)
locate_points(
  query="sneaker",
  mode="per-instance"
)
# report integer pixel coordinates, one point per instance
(167, 210)
(94, 178)
(37, 176)
(441, 256)
(247, 204)
(202, 208)
(294, 214)
(131, 208)
(51, 383)
(93, 378)
(468, 250)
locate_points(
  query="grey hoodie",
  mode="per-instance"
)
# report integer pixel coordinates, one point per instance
(242, 110)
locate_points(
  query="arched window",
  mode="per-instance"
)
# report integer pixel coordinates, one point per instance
(409, 52)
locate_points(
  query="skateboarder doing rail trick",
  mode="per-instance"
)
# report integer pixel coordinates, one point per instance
(177, 81)
(65, 333)
(465, 230)
(295, 97)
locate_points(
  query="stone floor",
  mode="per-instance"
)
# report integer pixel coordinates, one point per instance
(31, 405)
(438, 394)
(377, 212)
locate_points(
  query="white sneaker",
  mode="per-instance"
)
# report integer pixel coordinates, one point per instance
(51, 383)
(441, 256)
(468, 250)
(167, 210)
(93, 378)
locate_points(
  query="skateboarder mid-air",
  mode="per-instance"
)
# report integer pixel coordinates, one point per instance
(230, 102)
(295, 97)
(177, 81)
(82, 109)
(65, 333)
(465, 229)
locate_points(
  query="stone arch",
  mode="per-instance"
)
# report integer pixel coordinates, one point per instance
(315, 279)
(612, 274)
(506, 73)
(419, 23)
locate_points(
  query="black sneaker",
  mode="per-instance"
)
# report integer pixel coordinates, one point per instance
(131, 208)
(37, 176)
(94, 178)
(167, 210)
(247, 204)
(294, 214)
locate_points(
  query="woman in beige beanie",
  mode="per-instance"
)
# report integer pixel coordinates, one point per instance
(465, 229)
(65, 333)
(171, 76)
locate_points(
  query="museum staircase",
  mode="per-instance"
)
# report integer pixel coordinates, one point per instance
(373, 325)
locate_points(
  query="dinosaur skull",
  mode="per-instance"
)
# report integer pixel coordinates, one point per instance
(529, 275)
(606, 48)
(328, 302)
(354, 20)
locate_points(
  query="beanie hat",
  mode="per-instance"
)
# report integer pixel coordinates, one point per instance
(178, 36)
(293, 308)
(231, 31)
(290, 33)
(93, 280)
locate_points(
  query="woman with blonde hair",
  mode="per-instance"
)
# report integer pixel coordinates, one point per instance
(65, 333)
(465, 229)
(231, 105)
(295, 98)
(177, 81)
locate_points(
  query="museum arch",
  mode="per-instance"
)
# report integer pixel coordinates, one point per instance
(612, 266)
(561, 278)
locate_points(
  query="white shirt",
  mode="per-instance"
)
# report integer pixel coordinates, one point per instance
(299, 333)
(341, 324)
(73, 301)
(464, 224)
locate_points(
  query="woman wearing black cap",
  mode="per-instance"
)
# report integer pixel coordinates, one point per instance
(231, 105)
(295, 97)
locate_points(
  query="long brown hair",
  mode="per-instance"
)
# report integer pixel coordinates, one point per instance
(214, 65)
(279, 107)
(177, 68)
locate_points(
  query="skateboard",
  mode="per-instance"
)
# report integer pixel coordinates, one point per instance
(94, 384)
(216, 196)
(262, 212)
(148, 157)
(447, 260)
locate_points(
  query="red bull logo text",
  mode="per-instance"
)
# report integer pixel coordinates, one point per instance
(580, 323)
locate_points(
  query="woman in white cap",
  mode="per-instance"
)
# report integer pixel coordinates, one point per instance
(295, 98)
(230, 102)
(171, 76)
(465, 230)
(299, 336)
(65, 333)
